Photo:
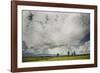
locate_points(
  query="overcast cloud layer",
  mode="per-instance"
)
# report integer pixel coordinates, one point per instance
(49, 30)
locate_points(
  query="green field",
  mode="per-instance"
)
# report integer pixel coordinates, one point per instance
(56, 58)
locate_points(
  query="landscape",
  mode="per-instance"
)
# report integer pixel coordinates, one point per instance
(55, 36)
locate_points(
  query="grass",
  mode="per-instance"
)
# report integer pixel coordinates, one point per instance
(57, 58)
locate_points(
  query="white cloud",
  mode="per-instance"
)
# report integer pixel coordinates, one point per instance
(54, 28)
(61, 50)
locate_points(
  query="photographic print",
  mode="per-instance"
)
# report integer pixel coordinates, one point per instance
(52, 36)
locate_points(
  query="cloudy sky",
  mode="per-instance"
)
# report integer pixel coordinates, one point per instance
(54, 29)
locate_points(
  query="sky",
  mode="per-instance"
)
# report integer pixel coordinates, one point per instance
(55, 29)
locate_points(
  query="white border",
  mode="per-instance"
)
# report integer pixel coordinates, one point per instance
(52, 63)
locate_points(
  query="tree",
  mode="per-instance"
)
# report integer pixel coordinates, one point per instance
(57, 54)
(74, 53)
(68, 53)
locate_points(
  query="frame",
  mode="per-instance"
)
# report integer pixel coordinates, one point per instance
(84, 18)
